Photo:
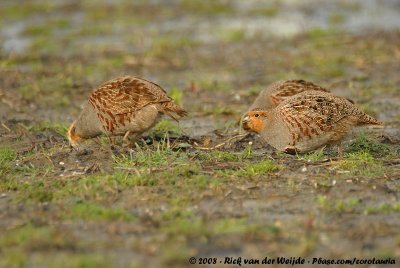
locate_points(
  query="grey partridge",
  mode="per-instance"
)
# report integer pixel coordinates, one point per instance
(306, 121)
(125, 106)
(281, 90)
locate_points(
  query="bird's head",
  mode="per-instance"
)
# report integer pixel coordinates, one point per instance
(254, 121)
(73, 138)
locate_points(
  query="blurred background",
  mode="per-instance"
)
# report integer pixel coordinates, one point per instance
(54, 52)
(62, 208)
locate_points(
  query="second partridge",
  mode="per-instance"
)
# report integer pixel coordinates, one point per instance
(306, 121)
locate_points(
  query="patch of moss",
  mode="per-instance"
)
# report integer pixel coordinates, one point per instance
(371, 146)
(318, 33)
(214, 85)
(348, 205)
(206, 7)
(95, 212)
(268, 11)
(57, 127)
(30, 237)
(16, 11)
(383, 208)
(234, 35)
(165, 45)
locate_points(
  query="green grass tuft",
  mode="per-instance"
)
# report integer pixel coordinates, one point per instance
(362, 163)
(218, 156)
(260, 168)
(6, 155)
(314, 156)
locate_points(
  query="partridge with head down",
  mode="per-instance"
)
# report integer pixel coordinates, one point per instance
(125, 106)
(306, 121)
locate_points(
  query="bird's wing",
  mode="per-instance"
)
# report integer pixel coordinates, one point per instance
(127, 95)
(310, 114)
(292, 87)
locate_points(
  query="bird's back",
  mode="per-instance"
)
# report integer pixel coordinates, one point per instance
(126, 95)
(277, 92)
(314, 118)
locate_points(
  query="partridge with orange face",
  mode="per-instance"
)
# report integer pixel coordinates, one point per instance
(125, 106)
(306, 121)
(281, 90)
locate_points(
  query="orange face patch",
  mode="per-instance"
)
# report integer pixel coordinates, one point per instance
(72, 136)
(254, 121)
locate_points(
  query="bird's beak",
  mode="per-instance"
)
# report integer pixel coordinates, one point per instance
(73, 138)
(245, 123)
(74, 145)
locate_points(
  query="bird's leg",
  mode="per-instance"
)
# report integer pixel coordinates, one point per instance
(112, 140)
(126, 136)
(126, 140)
(130, 138)
(340, 151)
(112, 143)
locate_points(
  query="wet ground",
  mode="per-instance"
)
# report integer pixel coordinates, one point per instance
(201, 188)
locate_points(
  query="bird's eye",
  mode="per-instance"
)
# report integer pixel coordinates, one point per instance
(256, 115)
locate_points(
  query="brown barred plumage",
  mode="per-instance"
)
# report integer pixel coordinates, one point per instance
(281, 90)
(306, 121)
(123, 106)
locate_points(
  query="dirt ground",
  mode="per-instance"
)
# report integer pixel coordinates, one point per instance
(202, 187)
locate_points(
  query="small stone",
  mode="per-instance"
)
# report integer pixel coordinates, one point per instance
(304, 169)
(61, 163)
(334, 182)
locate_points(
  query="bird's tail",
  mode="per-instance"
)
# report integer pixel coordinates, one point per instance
(171, 109)
(369, 120)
